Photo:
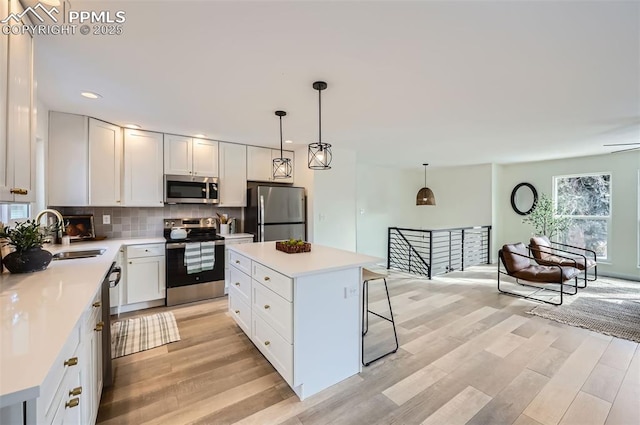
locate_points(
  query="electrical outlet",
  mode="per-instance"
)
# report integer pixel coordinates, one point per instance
(351, 291)
(106, 219)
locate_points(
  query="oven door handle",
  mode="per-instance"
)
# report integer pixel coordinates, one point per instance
(179, 245)
(118, 271)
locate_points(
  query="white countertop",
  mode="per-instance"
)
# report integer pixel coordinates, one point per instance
(236, 235)
(321, 258)
(39, 310)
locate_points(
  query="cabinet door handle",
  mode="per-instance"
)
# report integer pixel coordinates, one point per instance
(237, 283)
(99, 326)
(237, 261)
(75, 391)
(71, 362)
(267, 306)
(72, 403)
(267, 342)
(97, 304)
(237, 311)
(267, 278)
(18, 191)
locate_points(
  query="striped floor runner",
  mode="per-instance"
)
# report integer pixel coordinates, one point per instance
(143, 333)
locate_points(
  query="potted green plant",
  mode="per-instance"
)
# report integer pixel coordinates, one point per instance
(545, 219)
(27, 238)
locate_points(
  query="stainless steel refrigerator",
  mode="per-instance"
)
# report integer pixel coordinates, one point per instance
(275, 212)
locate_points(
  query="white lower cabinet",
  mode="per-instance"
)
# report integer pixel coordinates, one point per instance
(145, 273)
(269, 320)
(228, 259)
(71, 392)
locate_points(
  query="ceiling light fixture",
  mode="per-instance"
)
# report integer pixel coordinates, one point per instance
(320, 153)
(288, 141)
(90, 95)
(425, 195)
(281, 166)
(199, 135)
(133, 126)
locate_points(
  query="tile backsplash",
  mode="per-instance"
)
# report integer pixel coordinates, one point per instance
(146, 222)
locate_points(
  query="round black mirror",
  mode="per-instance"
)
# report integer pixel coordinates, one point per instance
(523, 198)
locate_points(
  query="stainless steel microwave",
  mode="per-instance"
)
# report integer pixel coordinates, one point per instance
(190, 190)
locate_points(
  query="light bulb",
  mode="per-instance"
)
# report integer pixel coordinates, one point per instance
(320, 156)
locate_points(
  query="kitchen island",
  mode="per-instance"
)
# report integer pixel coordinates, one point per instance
(302, 311)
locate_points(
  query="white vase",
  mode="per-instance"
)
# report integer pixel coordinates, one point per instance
(224, 229)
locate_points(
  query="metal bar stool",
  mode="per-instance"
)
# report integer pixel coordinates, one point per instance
(368, 275)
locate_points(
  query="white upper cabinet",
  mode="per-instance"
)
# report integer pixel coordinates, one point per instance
(233, 175)
(68, 171)
(178, 157)
(260, 164)
(17, 160)
(105, 163)
(143, 166)
(4, 64)
(186, 156)
(205, 158)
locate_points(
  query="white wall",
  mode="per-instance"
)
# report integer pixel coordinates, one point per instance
(334, 202)
(624, 202)
(385, 198)
(463, 197)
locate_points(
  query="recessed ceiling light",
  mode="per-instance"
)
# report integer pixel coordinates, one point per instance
(90, 95)
(134, 126)
(199, 135)
(288, 141)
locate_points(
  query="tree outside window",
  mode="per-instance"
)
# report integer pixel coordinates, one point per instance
(586, 201)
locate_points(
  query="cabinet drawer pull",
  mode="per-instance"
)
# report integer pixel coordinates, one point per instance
(267, 342)
(75, 391)
(267, 278)
(237, 311)
(72, 403)
(237, 283)
(97, 304)
(237, 261)
(99, 326)
(18, 191)
(267, 306)
(71, 362)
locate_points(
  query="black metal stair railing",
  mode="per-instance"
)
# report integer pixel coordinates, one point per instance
(432, 252)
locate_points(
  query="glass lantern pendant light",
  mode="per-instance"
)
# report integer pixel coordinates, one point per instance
(425, 195)
(281, 166)
(320, 153)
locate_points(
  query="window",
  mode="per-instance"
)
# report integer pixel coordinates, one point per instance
(13, 212)
(586, 200)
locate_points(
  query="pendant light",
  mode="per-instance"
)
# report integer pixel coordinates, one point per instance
(425, 195)
(320, 153)
(281, 166)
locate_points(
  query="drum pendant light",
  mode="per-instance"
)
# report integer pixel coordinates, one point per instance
(320, 153)
(281, 166)
(425, 195)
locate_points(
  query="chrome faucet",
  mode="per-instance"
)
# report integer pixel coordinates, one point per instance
(56, 213)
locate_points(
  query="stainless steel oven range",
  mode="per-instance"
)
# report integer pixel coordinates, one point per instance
(185, 285)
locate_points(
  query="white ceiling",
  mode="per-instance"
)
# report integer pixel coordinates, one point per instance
(447, 82)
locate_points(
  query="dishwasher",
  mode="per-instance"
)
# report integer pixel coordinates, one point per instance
(111, 280)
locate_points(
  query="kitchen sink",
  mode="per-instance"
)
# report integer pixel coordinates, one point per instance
(72, 255)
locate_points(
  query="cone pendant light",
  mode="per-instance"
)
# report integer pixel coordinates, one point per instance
(425, 195)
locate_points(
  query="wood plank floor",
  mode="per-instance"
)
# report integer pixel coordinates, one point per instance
(468, 355)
